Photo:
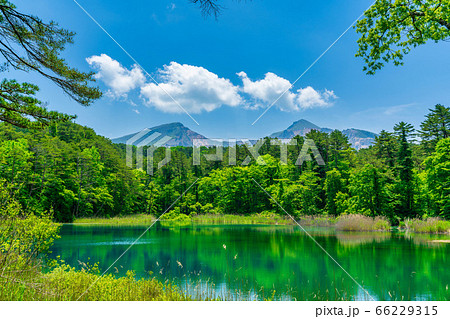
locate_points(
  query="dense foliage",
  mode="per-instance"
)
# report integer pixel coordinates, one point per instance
(391, 28)
(29, 44)
(71, 171)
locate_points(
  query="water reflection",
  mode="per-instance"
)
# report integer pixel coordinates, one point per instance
(260, 262)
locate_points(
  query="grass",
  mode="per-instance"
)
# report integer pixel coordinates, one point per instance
(183, 220)
(345, 222)
(139, 219)
(64, 283)
(257, 219)
(318, 220)
(429, 225)
(355, 222)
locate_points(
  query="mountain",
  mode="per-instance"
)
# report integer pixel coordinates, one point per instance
(300, 127)
(358, 138)
(172, 134)
(176, 134)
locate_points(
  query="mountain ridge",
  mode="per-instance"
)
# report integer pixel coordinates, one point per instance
(176, 134)
(170, 134)
(358, 138)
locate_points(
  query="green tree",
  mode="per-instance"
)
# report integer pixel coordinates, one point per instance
(302, 197)
(93, 196)
(15, 161)
(367, 185)
(386, 146)
(404, 168)
(438, 178)
(339, 150)
(29, 44)
(333, 185)
(435, 127)
(321, 140)
(391, 28)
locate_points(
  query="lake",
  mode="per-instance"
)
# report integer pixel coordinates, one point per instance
(252, 262)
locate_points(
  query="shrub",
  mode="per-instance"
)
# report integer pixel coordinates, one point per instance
(138, 219)
(175, 218)
(428, 225)
(24, 239)
(358, 222)
(66, 283)
(318, 220)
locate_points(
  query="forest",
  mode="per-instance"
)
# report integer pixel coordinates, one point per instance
(54, 171)
(69, 171)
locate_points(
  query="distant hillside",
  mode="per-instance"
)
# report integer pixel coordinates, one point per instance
(172, 134)
(176, 134)
(358, 138)
(300, 127)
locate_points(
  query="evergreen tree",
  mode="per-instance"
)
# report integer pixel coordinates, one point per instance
(438, 178)
(435, 127)
(29, 44)
(338, 146)
(333, 185)
(386, 147)
(404, 168)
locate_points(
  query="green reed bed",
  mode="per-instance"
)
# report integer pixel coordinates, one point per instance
(264, 219)
(64, 283)
(428, 225)
(139, 219)
(355, 222)
(317, 220)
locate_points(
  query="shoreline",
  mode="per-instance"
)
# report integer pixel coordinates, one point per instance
(353, 222)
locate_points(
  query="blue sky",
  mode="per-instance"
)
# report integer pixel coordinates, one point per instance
(226, 72)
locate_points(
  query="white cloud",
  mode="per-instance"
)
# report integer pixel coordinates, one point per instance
(120, 80)
(271, 88)
(309, 98)
(195, 88)
(268, 90)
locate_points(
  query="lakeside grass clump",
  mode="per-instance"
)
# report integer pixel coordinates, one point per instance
(318, 220)
(428, 225)
(130, 220)
(64, 283)
(356, 222)
(264, 218)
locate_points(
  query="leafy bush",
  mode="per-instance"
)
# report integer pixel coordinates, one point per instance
(175, 218)
(66, 283)
(24, 239)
